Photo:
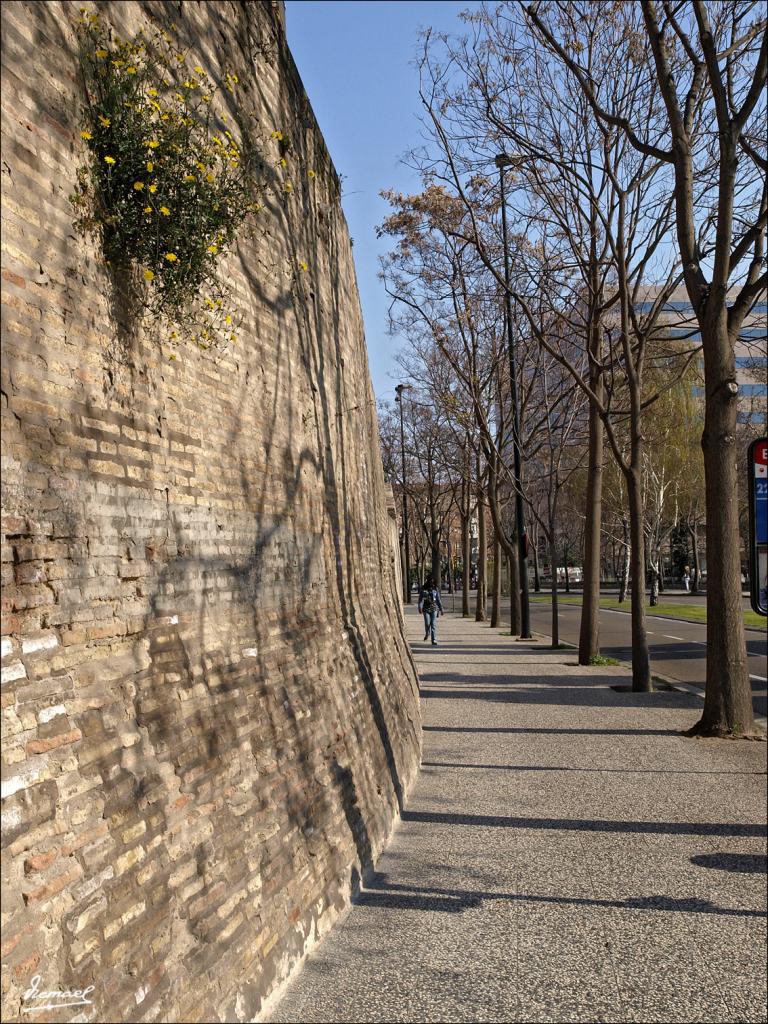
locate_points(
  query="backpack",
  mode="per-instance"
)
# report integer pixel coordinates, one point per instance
(428, 601)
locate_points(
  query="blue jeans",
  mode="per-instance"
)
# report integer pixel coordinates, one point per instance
(430, 629)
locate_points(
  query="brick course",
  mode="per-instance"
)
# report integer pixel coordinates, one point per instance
(209, 710)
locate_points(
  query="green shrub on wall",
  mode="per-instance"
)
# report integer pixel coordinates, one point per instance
(167, 185)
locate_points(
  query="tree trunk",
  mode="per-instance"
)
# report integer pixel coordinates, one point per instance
(660, 563)
(589, 634)
(536, 576)
(465, 558)
(510, 550)
(481, 557)
(624, 578)
(555, 613)
(434, 543)
(496, 603)
(404, 570)
(450, 561)
(641, 659)
(653, 599)
(728, 696)
(515, 613)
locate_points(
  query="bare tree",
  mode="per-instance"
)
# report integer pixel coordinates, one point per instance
(709, 62)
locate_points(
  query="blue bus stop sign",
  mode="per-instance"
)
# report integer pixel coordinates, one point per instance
(757, 461)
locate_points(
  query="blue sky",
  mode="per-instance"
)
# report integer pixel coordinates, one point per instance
(355, 59)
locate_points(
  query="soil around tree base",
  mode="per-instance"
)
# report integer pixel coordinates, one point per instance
(702, 731)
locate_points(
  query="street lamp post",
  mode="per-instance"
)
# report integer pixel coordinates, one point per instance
(407, 558)
(504, 160)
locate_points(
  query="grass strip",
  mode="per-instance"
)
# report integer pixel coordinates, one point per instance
(693, 612)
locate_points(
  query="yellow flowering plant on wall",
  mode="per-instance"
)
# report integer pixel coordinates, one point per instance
(167, 185)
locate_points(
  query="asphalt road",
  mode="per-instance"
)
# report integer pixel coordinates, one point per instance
(677, 647)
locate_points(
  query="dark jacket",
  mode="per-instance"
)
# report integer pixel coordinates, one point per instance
(435, 598)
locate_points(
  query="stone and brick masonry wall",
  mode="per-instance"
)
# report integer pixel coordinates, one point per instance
(209, 711)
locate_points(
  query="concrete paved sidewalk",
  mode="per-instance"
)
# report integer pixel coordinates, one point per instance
(564, 856)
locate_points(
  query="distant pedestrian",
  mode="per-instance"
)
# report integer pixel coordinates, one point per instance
(686, 578)
(430, 606)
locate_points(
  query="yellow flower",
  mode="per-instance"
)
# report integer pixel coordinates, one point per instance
(171, 257)
(148, 275)
(283, 162)
(189, 177)
(209, 178)
(198, 69)
(147, 209)
(150, 166)
(311, 174)
(303, 265)
(227, 319)
(199, 166)
(180, 57)
(85, 135)
(165, 212)
(288, 186)
(153, 189)
(104, 121)
(118, 63)
(101, 54)
(152, 92)
(109, 159)
(172, 357)
(206, 98)
(131, 69)
(277, 135)
(152, 144)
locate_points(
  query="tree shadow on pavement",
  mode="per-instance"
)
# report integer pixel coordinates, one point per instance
(387, 895)
(743, 863)
(570, 768)
(575, 696)
(530, 730)
(681, 828)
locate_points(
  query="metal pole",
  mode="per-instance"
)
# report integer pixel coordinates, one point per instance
(407, 578)
(525, 610)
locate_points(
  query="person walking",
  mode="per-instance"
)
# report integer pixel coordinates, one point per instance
(430, 606)
(686, 578)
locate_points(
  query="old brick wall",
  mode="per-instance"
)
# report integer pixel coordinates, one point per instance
(209, 712)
